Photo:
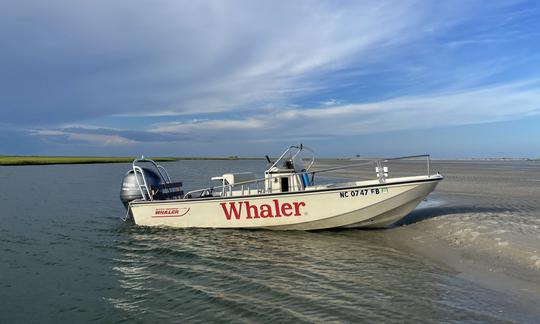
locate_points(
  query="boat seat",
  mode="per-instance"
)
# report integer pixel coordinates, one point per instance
(168, 185)
(233, 178)
(165, 191)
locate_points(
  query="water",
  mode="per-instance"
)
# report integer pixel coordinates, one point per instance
(67, 257)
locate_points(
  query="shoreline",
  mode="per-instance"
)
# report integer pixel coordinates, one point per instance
(20, 160)
(480, 223)
(56, 160)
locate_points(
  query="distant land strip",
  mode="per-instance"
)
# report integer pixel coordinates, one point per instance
(43, 160)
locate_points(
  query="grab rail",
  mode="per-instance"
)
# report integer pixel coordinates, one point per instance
(377, 162)
(163, 174)
(227, 189)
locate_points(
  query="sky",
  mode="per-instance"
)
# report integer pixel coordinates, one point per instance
(455, 79)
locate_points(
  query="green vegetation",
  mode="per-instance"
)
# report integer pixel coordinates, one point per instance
(40, 160)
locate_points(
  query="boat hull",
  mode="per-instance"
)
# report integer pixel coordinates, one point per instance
(378, 205)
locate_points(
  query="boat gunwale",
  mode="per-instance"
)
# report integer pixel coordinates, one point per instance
(430, 178)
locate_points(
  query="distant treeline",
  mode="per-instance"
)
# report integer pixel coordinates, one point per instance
(41, 160)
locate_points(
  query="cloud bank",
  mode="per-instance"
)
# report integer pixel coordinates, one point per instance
(123, 73)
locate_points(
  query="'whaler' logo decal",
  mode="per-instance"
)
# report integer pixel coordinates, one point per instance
(170, 212)
(249, 211)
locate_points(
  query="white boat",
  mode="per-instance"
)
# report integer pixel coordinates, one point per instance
(286, 198)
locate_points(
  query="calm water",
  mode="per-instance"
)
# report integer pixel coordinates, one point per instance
(65, 256)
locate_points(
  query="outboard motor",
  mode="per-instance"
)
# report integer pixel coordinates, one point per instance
(130, 189)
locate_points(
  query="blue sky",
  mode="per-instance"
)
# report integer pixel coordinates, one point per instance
(451, 78)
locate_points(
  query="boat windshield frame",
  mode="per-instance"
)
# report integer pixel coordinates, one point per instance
(293, 154)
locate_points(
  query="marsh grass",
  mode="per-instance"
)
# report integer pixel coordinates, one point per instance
(41, 160)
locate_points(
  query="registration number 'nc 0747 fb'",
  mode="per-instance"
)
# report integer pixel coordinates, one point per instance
(362, 192)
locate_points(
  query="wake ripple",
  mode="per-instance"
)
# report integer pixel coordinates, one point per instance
(207, 275)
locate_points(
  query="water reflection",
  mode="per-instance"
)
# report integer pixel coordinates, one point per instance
(285, 276)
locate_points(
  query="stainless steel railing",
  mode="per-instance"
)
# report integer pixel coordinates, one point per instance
(227, 189)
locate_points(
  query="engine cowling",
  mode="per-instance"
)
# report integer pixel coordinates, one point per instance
(130, 189)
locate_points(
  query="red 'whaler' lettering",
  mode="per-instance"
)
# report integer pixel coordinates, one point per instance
(237, 209)
(169, 212)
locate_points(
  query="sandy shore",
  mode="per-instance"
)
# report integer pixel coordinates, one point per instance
(482, 222)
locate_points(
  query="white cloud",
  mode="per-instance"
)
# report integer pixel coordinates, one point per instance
(473, 106)
(77, 136)
(460, 107)
(106, 140)
(252, 70)
(209, 126)
(173, 58)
